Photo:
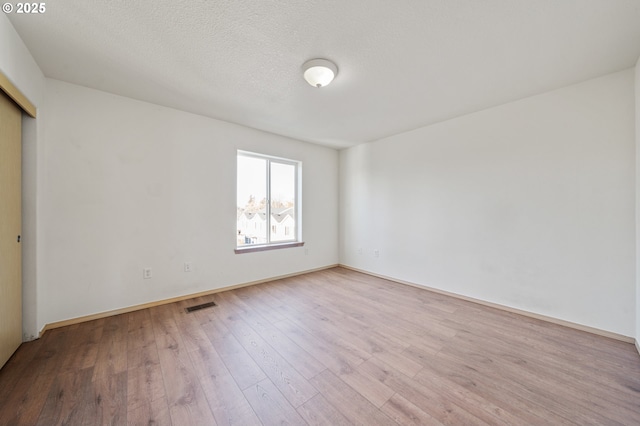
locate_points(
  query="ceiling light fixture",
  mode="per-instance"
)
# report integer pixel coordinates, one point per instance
(319, 72)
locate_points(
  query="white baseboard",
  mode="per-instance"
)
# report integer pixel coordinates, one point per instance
(576, 326)
(569, 324)
(125, 310)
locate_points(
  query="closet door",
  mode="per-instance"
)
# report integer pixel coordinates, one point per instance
(10, 228)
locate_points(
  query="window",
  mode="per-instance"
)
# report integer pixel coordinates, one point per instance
(267, 202)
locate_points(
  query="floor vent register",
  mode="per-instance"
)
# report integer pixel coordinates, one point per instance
(198, 307)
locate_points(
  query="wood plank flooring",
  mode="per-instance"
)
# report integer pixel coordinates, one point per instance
(334, 347)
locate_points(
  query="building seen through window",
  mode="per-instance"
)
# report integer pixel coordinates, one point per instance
(266, 200)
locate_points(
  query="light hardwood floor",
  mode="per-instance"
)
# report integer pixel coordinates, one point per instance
(334, 347)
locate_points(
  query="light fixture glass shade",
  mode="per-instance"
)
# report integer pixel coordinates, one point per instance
(319, 72)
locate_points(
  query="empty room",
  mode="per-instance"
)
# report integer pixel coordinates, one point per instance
(416, 212)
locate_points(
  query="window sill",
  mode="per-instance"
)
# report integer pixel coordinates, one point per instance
(251, 249)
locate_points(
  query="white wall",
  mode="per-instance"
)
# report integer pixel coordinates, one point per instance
(528, 205)
(21, 69)
(131, 185)
(17, 63)
(637, 298)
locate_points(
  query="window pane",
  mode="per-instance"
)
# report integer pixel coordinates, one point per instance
(252, 201)
(283, 202)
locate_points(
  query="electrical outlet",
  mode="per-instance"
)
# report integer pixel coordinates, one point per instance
(306, 252)
(188, 266)
(147, 273)
(359, 250)
(376, 253)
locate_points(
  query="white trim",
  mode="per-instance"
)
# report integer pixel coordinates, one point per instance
(106, 314)
(297, 209)
(253, 248)
(552, 320)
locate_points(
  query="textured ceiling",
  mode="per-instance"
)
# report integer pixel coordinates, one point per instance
(402, 64)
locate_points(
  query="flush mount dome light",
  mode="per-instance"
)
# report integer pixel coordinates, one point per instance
(319, 72)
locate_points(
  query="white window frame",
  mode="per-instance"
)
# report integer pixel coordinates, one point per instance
(296, 240)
